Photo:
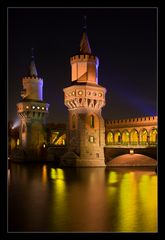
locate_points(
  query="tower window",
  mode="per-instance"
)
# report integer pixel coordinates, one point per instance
(91, 139)
(33, 107)
(80, 92)
(92, 121)
(23, 128)
(73, 121)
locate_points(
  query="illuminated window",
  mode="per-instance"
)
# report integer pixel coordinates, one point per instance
(143, 136)
(134, 137)
(110, 138)
(73, 121)
(153, 136)
(38, 107)
(91, 139)
(27, 107)
(43, 108)
(73, 93)
(125, 137)
(33, 107)
(100, 94)
(117, 137)
(80, 92)
(92, 121)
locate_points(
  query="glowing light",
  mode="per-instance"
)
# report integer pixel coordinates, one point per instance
(44, 145)
(43, 108)
(91, 139)
(80, 92)
(16, 124)
(110, 138)
(131, 151)
(100, 94)
(73, 93)
(18, 142)
(38, 107)
(33, 107)
(27, 107)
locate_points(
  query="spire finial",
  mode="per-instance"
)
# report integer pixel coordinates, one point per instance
(84, 43)
(33, 70)
(32, 53)
(85, 23)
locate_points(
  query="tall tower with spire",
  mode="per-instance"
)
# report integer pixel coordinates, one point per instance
(32, 111)
(84, 100)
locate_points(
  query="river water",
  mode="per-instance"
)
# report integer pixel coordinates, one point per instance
(42, 198)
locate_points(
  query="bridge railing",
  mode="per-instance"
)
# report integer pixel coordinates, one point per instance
(133, 144)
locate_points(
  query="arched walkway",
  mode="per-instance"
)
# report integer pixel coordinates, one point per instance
(153, 136)
(109, 139)
(117, 137)
(134, 137)
(125, 137)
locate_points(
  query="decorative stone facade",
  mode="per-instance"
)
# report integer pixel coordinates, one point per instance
(32, 111)
(84, 100)
(132, 131)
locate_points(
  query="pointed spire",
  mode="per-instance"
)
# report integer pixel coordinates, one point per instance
(33, 70)
(84, 43)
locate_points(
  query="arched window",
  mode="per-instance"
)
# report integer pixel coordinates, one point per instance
(92, 121)
(117, 137)
(110, 138)
(73, 121)
(134, 137)
(143, 136)
(125, 137)
(153, 136)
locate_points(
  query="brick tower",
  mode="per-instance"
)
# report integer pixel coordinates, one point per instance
(84, 100)
(32, 111)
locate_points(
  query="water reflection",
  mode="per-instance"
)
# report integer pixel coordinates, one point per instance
(45, 198)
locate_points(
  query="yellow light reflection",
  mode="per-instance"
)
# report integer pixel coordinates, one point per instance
(44, 174)
(141, 193)
(59, 204)
(112, 177)
(127, 203)
(148, 198)
(53, 173)
(8, 175)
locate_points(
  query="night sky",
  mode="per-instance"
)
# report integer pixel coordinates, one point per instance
(124, 40)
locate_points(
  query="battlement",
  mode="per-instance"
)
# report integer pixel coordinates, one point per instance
(32, 79)
(147, 119)
(84, 57)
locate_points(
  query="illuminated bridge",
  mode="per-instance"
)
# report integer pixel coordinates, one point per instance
(128, 136)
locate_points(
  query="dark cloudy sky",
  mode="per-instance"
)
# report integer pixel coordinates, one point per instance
(124, 40)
